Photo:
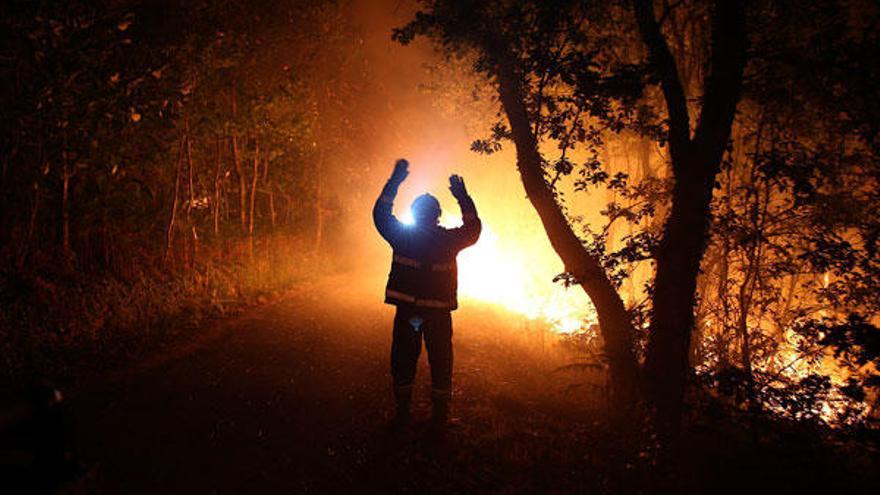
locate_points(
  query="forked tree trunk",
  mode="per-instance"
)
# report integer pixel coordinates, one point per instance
(678, 262)
(695, 163)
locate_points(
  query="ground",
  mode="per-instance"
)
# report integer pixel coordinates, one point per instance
(293, 397)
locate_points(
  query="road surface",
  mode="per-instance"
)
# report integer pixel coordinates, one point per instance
(293, 397)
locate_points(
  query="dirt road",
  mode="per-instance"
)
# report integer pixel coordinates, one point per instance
(293, 398)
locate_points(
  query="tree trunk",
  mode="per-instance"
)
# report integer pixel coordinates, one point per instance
(32, 225)
(236, 159)
(273, 215)
(614, 320)
(242, 189)
(724, 278)
(742, 333)
(192, 197)
(216, 203)
(319, 215)
(256, 175)
(65, 204)
(678, 263)
(751, 273)
(169, 232)
(695, 163)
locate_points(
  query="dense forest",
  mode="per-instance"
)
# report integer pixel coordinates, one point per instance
(706, 172)
(745, 174)
(166, 158)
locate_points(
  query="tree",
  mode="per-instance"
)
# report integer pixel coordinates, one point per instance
(793, 258)
(560, 78)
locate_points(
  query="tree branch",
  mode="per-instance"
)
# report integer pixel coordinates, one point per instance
(724, 80)
(670, 82)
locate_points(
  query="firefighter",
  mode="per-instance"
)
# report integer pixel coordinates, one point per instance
(423, 284)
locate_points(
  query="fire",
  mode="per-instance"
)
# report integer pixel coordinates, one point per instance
(512, 265)
(506, 272)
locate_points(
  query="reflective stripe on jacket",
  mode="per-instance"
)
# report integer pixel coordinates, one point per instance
(423, 268)
(421, 283)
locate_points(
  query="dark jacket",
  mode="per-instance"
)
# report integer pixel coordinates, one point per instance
(423, 268)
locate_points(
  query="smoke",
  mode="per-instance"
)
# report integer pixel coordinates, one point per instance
(430, 110)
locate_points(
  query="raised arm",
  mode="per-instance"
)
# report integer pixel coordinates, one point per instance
(387, 225)
(469, 232)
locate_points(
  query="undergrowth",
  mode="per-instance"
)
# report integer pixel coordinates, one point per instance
(60, 321)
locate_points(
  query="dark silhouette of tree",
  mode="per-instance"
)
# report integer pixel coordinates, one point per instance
(793, 258)
(770, 163)
(134, 119)
(559, 79)
(148, 142)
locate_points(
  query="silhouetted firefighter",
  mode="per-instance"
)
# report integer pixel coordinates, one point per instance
(423, 285)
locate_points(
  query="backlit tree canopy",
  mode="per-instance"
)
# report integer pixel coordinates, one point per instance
(751, 152)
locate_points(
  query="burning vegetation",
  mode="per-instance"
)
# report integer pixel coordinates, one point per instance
(685, 192)
(734, 242)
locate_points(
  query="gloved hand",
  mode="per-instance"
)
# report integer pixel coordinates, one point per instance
(401, 170)
(456, 186)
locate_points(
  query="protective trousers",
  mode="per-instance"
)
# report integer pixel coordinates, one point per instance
(411, 324)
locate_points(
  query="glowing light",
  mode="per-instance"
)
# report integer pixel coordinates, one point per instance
(406, 218)
(512, 265)
(498, 273)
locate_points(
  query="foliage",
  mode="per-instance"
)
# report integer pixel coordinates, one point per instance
(793, 216)
(792, 260)
(143, 143)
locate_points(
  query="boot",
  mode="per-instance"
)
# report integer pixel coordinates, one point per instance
(402, 415)
(440, 411)
(402, 418)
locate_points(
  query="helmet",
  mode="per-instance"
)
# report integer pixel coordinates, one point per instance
(426, 210)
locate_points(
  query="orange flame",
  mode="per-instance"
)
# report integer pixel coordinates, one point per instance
(507, 273)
